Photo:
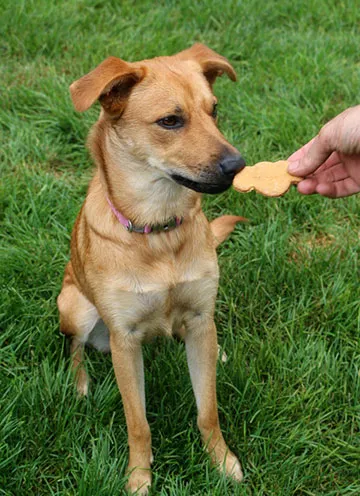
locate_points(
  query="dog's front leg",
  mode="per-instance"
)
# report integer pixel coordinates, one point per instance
(129, 370)
(202, 352)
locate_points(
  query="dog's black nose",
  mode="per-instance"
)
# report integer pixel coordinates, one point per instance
(232, 164)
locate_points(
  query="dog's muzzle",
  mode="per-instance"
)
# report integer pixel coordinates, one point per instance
(216, 181)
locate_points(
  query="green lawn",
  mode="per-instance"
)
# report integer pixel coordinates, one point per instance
(288, 305)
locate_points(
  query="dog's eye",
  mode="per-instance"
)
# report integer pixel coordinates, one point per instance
(214, 112)
(171, 122)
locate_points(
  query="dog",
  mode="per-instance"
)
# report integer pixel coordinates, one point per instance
(143, 259)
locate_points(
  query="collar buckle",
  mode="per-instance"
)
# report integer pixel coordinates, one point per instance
(129, 226)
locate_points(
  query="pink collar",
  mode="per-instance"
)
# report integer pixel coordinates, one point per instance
(147, 229)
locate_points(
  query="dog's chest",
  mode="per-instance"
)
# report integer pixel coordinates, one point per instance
(165, 312)
(160, 305)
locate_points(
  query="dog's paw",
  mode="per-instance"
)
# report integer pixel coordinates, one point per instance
(139, 481)
(82, 383)
(232, 467)
(225, 461)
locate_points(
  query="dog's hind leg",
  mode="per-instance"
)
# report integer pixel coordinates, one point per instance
(77, 319)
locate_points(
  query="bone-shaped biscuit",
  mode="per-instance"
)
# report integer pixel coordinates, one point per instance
(267, 178)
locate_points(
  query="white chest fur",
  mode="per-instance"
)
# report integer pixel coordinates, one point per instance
(156, 311)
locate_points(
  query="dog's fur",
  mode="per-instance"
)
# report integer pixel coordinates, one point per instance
(123, 286)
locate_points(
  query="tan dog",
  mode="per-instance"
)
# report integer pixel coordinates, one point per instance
(143, 258)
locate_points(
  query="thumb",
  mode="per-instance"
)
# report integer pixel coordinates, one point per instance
(319, 150)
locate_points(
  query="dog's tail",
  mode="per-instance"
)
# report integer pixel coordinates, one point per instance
(224, 225)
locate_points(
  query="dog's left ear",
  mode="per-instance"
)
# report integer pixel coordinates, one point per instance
(213, 65)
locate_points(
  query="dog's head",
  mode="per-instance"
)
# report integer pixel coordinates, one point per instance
(164, 113)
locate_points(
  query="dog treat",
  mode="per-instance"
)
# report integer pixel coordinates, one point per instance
(267, 178)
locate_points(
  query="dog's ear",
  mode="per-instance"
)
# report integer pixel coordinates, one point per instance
(212, 64)
(110, 82)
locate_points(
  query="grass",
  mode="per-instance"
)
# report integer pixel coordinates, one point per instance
(288, 305)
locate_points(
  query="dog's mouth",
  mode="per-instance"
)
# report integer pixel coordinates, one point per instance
(202, 187)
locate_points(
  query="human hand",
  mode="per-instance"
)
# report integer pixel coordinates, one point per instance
(330, 162)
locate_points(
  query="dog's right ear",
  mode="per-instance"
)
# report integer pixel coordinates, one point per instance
(110, 82)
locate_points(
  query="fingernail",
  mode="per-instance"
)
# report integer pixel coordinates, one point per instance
(293, 166)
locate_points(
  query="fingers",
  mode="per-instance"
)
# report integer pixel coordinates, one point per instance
(308, 186)
(338, 189)
(333, 183)
(330, 174)
(331, 170)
